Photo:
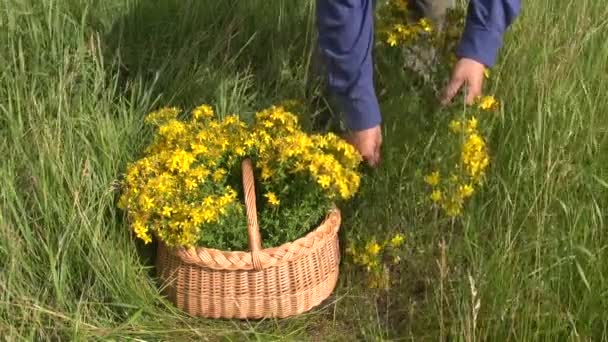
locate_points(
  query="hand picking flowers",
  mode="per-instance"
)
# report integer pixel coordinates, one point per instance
(187, 188)
(421, 46)
(463, 156)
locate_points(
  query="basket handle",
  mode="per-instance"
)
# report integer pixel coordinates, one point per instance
(253, 230)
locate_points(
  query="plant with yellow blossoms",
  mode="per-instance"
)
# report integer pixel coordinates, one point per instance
(397, 25)
(187, 188)
(461, 167)
(419, 44)
(377, 257)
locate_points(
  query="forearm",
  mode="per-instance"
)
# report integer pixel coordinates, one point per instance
(346, 42)
(486, 24)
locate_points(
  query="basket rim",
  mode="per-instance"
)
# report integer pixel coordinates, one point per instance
(217, 259)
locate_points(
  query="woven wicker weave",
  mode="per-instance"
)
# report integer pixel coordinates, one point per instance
(262, 283)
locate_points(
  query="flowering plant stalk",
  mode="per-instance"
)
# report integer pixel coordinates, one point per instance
(460, 170)
(187, 191)
(461, 165)
(376, 257)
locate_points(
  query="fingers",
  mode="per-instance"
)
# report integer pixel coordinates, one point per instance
(452, 89)
(474, 90)
(466, 72)
(372, 153)
(369, 144)
(375, 161)
(377, 154)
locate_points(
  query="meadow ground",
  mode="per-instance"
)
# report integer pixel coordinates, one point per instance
(526, 261)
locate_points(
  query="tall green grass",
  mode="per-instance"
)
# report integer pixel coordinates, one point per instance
(76, 79)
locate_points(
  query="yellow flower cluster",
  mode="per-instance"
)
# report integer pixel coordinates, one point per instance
(174, 189)
(372, 257)
(473, 160)
(329, 160)
(395, 28)
(182, 184)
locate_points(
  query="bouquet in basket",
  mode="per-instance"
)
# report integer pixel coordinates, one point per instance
(187, 189)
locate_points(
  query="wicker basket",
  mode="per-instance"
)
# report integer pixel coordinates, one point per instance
(262, 283)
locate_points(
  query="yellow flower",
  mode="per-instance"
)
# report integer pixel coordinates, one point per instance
(425, 24)
(455, 126)
(488, 103)
(373, 248)
(181, 161)
(486, 73)
(391, 40)
(465, 190)
(231, 120)
(196, 216)
(191, 184)
(397, 240)
(202, 111)
(453, 208)
(250, 142)
(432, 179)
(472, 124)
(146, 202)
(324, 181)
(239, 151)
(436, 196)
(219, 175)
(162, 116)
(167, 211)
(200, 173)
(400, 28)
(209, 215)
(141, 231)
(266, 173)
(272, 199)
(208, 201)
(474, 156)
(172, 130)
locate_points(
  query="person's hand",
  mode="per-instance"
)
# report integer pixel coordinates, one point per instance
(466, 72)
(368, 143)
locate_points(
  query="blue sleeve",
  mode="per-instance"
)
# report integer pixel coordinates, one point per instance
(346, 29)
(486, 23)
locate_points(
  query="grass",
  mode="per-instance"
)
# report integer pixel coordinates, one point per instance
(77, 77)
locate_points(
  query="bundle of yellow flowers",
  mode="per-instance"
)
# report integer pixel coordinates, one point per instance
(397, 27)
(376, 257)
(187, 191)
(469, 155)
